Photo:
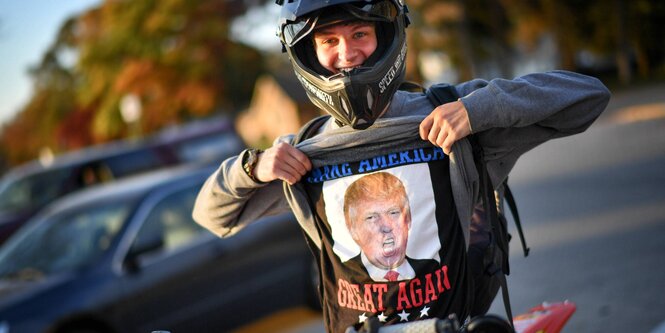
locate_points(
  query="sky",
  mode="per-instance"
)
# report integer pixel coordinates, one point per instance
(27, 29)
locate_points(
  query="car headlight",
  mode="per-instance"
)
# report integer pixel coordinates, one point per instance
(4, 327)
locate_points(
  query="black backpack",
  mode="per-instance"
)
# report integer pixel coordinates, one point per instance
(493, 255)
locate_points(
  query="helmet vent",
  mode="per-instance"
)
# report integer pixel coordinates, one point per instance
(346, 107)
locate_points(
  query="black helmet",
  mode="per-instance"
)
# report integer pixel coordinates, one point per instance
(357, 97)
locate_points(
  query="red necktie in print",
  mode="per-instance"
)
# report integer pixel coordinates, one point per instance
(391, 276)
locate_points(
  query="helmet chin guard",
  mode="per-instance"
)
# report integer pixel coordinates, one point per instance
(360, 96)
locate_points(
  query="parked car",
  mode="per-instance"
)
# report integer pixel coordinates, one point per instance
(211, 140)
(127, 257)
(26, 189)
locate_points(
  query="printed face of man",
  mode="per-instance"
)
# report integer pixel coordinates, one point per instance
(382, 231)
(379, 219)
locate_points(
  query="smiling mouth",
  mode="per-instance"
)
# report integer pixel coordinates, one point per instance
(347, 69)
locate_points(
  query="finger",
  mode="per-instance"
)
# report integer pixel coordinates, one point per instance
(441, 137)
(297, 160)
(302, 160)
(434, 134)
(447, 145)
(271, 164)
(289, 176)
(448, 142)
(293, 167)
(425, 127)
(283, 171)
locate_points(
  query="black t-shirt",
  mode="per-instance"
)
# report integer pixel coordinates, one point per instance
(368, 229)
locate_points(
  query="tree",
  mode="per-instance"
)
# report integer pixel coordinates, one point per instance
(175, 55)
(633, 33)
(34, 128)
(470, 32)
(476, 32)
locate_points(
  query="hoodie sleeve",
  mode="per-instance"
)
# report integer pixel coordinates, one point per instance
(511, 117)
(567, 101)
(229, 199)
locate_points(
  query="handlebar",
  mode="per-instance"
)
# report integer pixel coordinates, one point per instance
(481, 324)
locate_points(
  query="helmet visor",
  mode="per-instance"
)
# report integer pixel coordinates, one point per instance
(293, 32)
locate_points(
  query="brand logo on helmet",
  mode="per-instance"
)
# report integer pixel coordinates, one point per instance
(320, 94)
(394, 70)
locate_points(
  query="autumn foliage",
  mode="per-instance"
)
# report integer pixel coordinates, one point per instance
(177, 58)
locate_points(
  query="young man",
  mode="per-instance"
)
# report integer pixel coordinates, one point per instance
(349, 57)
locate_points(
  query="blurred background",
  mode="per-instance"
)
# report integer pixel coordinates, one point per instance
(168, 62)
(81, 75)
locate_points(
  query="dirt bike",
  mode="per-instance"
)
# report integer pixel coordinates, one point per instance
(544, 318)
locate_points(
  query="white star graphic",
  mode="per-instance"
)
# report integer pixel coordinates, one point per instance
(382, 317)
(403, 316)
(424, 312)
(362, 318)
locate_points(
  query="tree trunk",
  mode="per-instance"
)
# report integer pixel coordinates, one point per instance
(467, 59)
(623, 49)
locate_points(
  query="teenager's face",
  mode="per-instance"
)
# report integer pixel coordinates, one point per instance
(342, 47)
(381, 229)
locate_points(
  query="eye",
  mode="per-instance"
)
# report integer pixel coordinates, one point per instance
(324, 40)
(371, 218)
(359, 34)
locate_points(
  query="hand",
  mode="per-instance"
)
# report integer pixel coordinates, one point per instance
(282, 161)
(446, 124)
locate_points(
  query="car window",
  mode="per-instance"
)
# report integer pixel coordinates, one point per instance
(209, 148)
(134, 162)
(32, 190)
(170, 222)
(62, 243)
(93, 174)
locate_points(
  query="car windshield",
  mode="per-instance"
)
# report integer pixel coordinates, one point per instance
(209, 148)
(63, 242)
(34, 190)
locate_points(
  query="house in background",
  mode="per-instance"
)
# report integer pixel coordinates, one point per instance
(279, 106)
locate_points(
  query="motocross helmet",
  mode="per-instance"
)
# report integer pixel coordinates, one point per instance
(360, 96)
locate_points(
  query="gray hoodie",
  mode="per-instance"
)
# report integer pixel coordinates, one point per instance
(509, 117)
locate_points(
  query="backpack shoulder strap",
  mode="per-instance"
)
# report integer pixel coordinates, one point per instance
(510, 200)
(444, 93)
(441, 93)
(310, 129)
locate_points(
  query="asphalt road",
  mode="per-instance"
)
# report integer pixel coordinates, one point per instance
(593, 210)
